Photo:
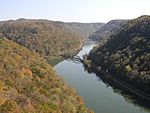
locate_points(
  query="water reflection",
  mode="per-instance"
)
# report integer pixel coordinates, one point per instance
(98, 94)
(128, 96)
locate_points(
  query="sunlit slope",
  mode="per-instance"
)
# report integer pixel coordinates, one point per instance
(29, 85)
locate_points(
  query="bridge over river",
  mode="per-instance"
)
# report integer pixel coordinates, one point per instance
(76, 59)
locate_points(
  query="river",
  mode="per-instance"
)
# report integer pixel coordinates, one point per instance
(97, 94)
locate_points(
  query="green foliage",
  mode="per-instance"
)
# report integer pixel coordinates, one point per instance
(128, 68)
(9, 106)
(48, 38)
(54, 60)
(129, 53)
(47, 108)
(38, 71)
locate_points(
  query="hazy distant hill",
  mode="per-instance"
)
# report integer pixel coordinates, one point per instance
(29, 85)
(49, 38)
(127, 53)
(84, 29)
(107, 30)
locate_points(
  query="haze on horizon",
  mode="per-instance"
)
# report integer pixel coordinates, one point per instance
(74, 10)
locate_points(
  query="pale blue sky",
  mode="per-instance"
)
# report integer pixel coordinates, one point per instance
(74, 10)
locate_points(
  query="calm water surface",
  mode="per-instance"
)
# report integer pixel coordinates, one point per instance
(97, 95)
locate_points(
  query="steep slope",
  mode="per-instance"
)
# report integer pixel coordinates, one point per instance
(29, 85)
(127, 54)
(107, 30)
(84, 29)
(49, 38)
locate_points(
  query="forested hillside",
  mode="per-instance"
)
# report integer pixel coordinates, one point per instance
(127, 53)
(84, 29)
(104, 33)
(49, 38)
(29, 85)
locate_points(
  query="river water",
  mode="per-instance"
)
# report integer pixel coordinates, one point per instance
(97, 94)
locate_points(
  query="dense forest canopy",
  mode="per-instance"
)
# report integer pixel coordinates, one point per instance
(127, 53)
(29, 85)
(105, 32)
(49, 38)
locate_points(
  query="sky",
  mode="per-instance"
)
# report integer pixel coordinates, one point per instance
(74, 10)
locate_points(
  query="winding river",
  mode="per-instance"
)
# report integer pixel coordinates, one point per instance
(96, 92)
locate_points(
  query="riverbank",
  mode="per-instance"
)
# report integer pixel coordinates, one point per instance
(91, 67)
(53, 60)
(72, 51)
(97, 95)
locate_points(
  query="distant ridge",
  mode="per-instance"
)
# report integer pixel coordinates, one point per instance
(107, 30)
(126, 55)
(49, 38)
(84, 29)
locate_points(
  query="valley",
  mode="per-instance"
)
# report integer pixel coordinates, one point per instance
(99, 92)
(112, 53)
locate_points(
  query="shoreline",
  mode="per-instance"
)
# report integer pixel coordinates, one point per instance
(91, 67)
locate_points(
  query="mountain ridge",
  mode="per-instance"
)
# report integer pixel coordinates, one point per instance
(49, 38)
(126, 55)
(84, 29)
(105, 32)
